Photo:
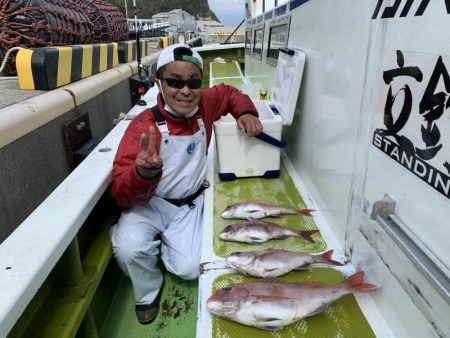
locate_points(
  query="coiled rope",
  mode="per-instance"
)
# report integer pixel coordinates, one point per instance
(31, 23)
(5, 60)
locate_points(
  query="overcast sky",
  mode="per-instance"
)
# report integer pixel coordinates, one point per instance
(230, 12)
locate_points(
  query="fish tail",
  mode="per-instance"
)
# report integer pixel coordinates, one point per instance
(354, 283)
(306, 234)
(305, 212)
(326, 256)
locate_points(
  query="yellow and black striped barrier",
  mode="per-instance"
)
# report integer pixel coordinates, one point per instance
(128, 51)
(190, 36)
(168, 40)
(191, 39)
(48, 68)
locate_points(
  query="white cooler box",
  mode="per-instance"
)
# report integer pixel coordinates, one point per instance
(241, 156)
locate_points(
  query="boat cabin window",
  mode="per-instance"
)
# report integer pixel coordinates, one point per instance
(248, 41)
(278, 37)
(258, 38)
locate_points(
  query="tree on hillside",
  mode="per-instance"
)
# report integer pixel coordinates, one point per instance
(147, 8)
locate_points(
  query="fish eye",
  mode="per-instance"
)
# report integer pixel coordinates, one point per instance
(227, 288)
(238, 253)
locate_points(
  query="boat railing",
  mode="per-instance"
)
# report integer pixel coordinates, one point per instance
(23, 117)
(31, 252)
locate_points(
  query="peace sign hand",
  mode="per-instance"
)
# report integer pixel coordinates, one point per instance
(148, 158)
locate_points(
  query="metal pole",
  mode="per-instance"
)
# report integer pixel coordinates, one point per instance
(126, 9)
(135, 16)
(69, 271)
(88, 328)
(138, 45)
(226, 41)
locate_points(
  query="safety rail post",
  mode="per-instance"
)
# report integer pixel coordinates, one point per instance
(68, 271)
(88, 329)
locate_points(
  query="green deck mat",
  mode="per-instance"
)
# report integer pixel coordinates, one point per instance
(177, 315)
(279, 191)
(230, 69)
(226, 73)
(234, 81)
(343, 318)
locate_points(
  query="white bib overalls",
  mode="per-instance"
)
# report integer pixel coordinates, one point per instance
(135, 238)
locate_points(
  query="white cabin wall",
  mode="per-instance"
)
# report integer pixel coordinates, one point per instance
(329, 144)
(420, 209)
(257, 7)
(322, 139)
(269, 5)
(422, 40)
(341, 103)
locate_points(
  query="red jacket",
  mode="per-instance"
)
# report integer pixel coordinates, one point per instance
(128, 188)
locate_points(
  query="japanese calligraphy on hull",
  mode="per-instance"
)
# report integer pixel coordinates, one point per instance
(415, 127)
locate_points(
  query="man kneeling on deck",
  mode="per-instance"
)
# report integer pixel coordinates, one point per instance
(159, 174)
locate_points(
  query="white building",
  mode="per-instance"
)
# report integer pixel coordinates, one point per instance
(178, 19)
(204, 25)
(221, 34)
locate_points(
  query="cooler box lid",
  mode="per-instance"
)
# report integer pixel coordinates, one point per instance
(288, 78)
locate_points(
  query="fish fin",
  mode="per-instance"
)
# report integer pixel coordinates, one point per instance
(270, 269)
(274, 272)
(316, 311)
(256, 240)
(326, 256)
(264, 323)
(269, 280)
(306, 234)
(268, 319)
(255, 214)
(305, 212)
(270, 327)
(242, 272)
(354, 283)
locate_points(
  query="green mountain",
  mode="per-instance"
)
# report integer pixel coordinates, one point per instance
(147, 8)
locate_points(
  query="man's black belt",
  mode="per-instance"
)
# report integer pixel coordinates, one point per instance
(189, 200)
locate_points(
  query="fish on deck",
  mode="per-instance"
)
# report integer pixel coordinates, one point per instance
(276, 262)
(257, 210)
(270, 304)
(256, 232)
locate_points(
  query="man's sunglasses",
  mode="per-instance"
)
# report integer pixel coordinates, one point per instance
(178, 83)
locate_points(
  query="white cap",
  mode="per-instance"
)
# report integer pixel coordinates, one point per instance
(179, 52)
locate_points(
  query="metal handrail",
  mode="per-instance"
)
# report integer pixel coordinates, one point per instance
(418, 253)
(231, 35)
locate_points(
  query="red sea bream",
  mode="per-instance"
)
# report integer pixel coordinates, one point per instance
(270, 304)
(274, 262)
(256, 210)
(256, 232)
